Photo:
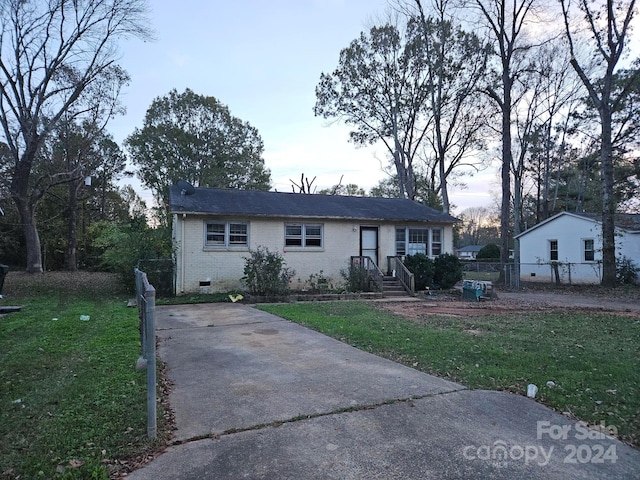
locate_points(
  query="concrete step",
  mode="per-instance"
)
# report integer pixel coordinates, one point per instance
(391, 287)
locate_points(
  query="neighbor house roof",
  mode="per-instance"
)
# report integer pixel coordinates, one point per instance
(625, 221)
(471, 248)
(217, 201)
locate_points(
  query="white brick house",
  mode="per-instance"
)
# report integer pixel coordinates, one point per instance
(573, 242)
(215, 229)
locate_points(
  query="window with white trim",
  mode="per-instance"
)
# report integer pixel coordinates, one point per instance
(303, 235)
(553, 250)
(412, 240)
(436, 242)
(226, 234)
(401, 241)
(588, 250)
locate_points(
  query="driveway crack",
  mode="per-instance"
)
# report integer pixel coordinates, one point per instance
(277, 423)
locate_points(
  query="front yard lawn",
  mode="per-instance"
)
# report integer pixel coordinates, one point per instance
(593, 359)
(72, 404)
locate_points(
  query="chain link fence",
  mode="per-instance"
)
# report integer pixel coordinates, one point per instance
(512, 275)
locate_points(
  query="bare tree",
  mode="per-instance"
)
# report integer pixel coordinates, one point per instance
(456, 62)
(55, 57)
(607, 24)
(506, 23)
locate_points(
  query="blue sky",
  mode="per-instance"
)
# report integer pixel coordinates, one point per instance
(263, 60)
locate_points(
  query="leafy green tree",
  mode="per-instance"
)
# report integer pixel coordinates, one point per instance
(76, 153)
(186, 136)
(57, 60)
(122, 246)
(380, 88)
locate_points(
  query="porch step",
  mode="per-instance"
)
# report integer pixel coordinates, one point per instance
(391, 287)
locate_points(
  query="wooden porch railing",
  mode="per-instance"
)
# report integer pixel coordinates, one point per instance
(406, 278)
(373, 273)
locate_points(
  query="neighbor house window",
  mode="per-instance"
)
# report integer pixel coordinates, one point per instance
(226, 234)
(553, 250)
(410, 241)
(303, 235)
(588, 250)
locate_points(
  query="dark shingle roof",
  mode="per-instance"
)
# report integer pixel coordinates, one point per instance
(471, 248)
(627, 221)
(217, 201)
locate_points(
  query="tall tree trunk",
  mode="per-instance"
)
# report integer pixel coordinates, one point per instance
(26, 206)
(507, 160)
(71, 257)
(608, 200)
(32, 239)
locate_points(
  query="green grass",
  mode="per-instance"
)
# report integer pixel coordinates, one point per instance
(594, 359)
(71, 402)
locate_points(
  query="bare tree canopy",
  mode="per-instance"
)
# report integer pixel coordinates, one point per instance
(57, 59)
(605, 26)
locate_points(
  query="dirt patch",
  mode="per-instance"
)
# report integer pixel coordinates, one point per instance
(22, 284)
(624, 302)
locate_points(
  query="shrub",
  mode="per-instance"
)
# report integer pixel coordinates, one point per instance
(121, 247)
(626, 271)
(448, 270)
(317, 282)
(422, 268)
(356, 279)
(265, 273)
(490, 251)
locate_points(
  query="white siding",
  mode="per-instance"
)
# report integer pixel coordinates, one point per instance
(569, 231)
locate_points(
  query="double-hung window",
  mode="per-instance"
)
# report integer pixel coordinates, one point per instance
(303, 235)
(436, 242)
(553, 250)
(226, 234)
(401, 241)
(588, 250)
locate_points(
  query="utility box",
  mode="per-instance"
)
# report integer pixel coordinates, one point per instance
(476, 290)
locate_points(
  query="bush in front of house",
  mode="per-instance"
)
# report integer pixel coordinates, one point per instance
(423, 269)
(265, 273)
(491, 251)
(626, 271)
(356, 279)
(448, 270)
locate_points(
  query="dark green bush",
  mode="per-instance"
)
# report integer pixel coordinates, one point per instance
(491, 251)
(265, 273)
(448, 270)
(626, 271)
(357, 279)
(422, 268)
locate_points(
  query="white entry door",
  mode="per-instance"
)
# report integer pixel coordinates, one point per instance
(369, 243)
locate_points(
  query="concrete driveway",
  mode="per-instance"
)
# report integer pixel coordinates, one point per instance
(256, 396)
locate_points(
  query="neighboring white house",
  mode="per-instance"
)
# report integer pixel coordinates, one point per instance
(214, 230)
(469, 252)
(571, 245)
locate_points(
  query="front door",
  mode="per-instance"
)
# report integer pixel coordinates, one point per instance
(369, 243)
